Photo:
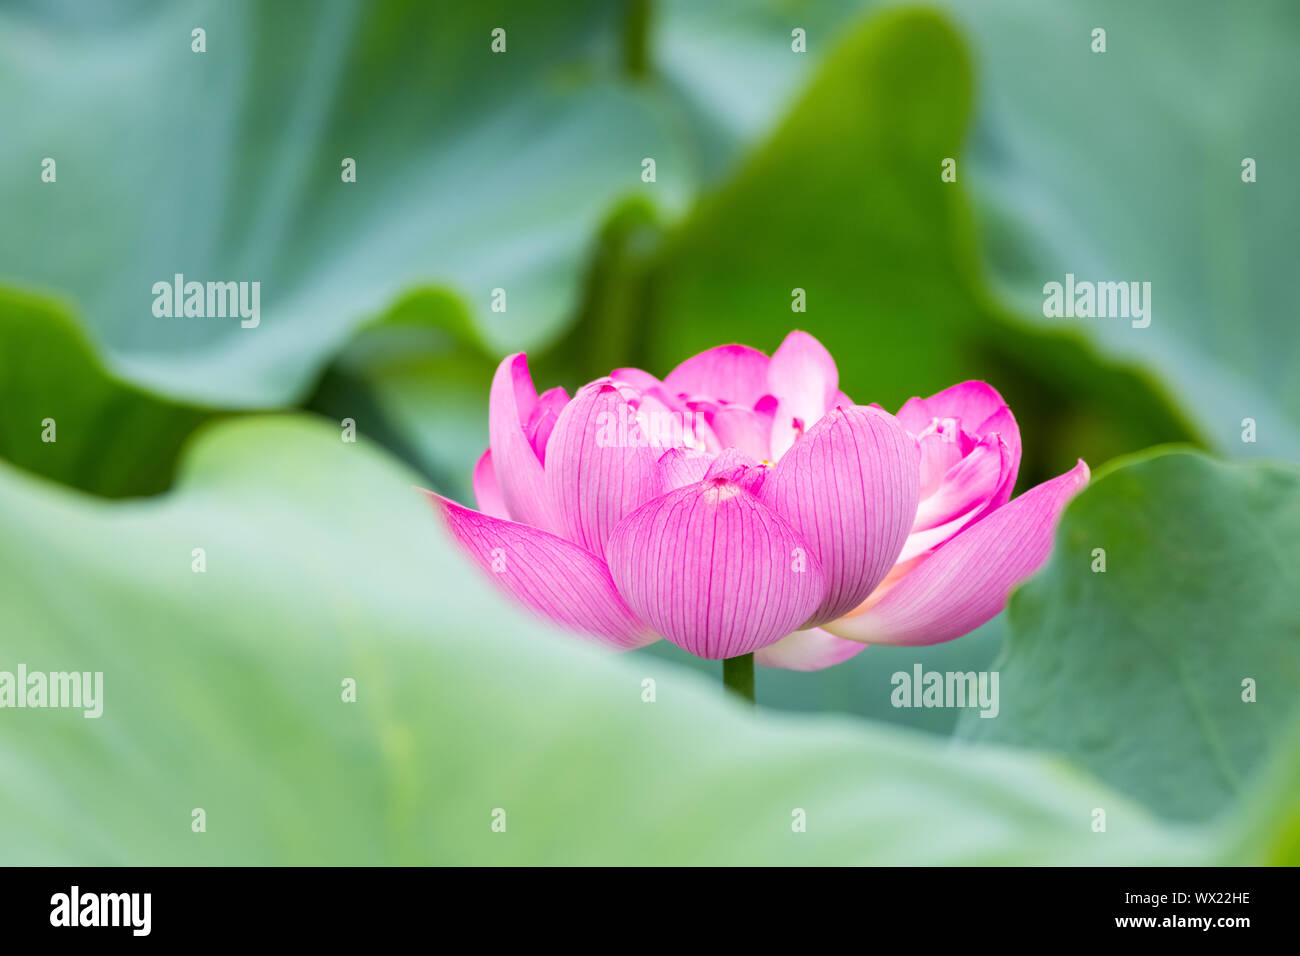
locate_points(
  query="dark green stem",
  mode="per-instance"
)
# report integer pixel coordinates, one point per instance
(738, 675)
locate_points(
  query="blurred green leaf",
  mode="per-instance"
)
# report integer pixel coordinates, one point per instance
(475, 171)
(222, 691)
(1127, 166)
(732, 67)
(106, 436)
(1138, 674)
(1266, 825)
(419, 375)
(415, 380)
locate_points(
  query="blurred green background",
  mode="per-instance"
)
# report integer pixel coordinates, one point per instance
(522, 170)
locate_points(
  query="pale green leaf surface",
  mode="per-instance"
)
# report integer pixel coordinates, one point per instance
(1139, 673)
(475, 171)
(222, 691)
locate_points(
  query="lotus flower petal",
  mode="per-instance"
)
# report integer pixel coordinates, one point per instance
(486, 490)
(663, 425)
(639, 380)
(683, 466)
(968, 487)
(595, 473)
(966, 413)
(850, 488)
(745, 429)
(803, 377)
(810, 650)
(518, 467)
(1003, 424)
(566, 583)
(966, 581)
(735, 374)
(971, 403)
(541, 421)
(735, 466)
(921, 542)
(940, 450)
(715, 571)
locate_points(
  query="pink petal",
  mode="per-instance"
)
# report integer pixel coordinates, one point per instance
(735, 466)
(541, 421)
(598, 466)
(663, 425)
(939, 452)
(641, 381)
(850, 488)
(715, 571)
(972, 403)
(915, 416)
(518, 467)
(804, 380)
(705, 438)
(810, 650)
(486, 490)
(732, 373)
(966, 581)
(803, 372)
(968, 486)
(683, 466)
(979, 409)
(745, 429)
(923, 540)
(552, 577)
(1003, 424)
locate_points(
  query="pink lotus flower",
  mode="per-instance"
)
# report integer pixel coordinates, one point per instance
(745, 504)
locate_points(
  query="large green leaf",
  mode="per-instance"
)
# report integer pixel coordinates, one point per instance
(475, 170)
(222, 692)
(68, 418)
(1127, 165)
(1139, 673)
